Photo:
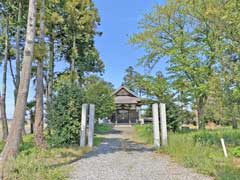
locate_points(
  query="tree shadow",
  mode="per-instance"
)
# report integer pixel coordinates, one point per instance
(109, 145)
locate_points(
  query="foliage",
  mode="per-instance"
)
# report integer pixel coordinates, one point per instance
(202, 52)
(64, 112)
(231, 137)
(156, 89)
(99, 92)
(236, 151)
(75, 31)
(130, 80)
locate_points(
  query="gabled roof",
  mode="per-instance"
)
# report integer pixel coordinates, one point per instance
(125, 99)
(128, 90)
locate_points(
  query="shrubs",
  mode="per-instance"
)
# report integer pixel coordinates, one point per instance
(231, 137)
(236, 151)
(64, 115)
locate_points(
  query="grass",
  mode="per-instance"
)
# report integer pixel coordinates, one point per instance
(144, 133)
(204, 157)
(50, 164)
(102, 128)
(212, 137)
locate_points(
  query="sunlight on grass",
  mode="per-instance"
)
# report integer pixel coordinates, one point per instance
(50, 164)
(199, 150)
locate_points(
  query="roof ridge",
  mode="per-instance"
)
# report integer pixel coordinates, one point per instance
(124, 87)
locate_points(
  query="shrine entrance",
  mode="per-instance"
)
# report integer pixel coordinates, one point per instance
(127, 106)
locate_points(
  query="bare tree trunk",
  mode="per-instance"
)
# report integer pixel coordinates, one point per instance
(31, 121)
(11, 147)
(18, 53)
(197, 118)
(38, 124)
(51, 68)
(234, 122)
(199, 115)
(4, 86)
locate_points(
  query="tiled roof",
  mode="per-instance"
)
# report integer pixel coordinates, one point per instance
(126, 100)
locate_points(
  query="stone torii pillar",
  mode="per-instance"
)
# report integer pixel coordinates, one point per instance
(156, 132)
(83, 125)
(163, 123)
(91, 125)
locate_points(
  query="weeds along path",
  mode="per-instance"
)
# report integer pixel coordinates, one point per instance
(118, 157)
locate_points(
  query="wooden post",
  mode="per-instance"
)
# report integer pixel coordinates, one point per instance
(91, 125)
(163, 122)
(224, 148)
(83, 125)
(156, 125)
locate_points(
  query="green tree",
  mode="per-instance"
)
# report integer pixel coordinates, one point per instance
(39, 111)
(11, 147)
(64, 115)
(99, 92)
(181, 32)
(129, 80)
(157, 89)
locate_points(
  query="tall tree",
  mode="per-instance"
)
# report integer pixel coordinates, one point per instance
(39, 112)
(4, 86)
(11, 147)
(181, 32)
(18, 51)
(129, 80)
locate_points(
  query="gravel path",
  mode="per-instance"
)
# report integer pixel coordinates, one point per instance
(120, 158)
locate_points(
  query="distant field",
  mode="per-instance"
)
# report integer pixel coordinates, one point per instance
(27, 126)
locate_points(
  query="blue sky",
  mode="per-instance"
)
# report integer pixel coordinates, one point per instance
(119, 20)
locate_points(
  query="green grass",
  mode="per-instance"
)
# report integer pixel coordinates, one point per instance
(212, 137)
(102, 128)
(206, 158)
(145, 133)
(50, 164)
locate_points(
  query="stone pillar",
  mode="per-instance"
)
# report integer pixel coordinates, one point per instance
(91, 125)
(163, 123)
(83, 125)
(156, 133)
(116, 117)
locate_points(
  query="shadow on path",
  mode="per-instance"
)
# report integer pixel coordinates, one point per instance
(115, 141)
(112, 142)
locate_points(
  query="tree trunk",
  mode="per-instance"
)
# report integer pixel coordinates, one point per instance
(73, 54)
(18, 53)
(234, 123)
(11, 147)
(199, 116)
(4, 86)
(38, 124)
(31, 121)
(51, 68)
